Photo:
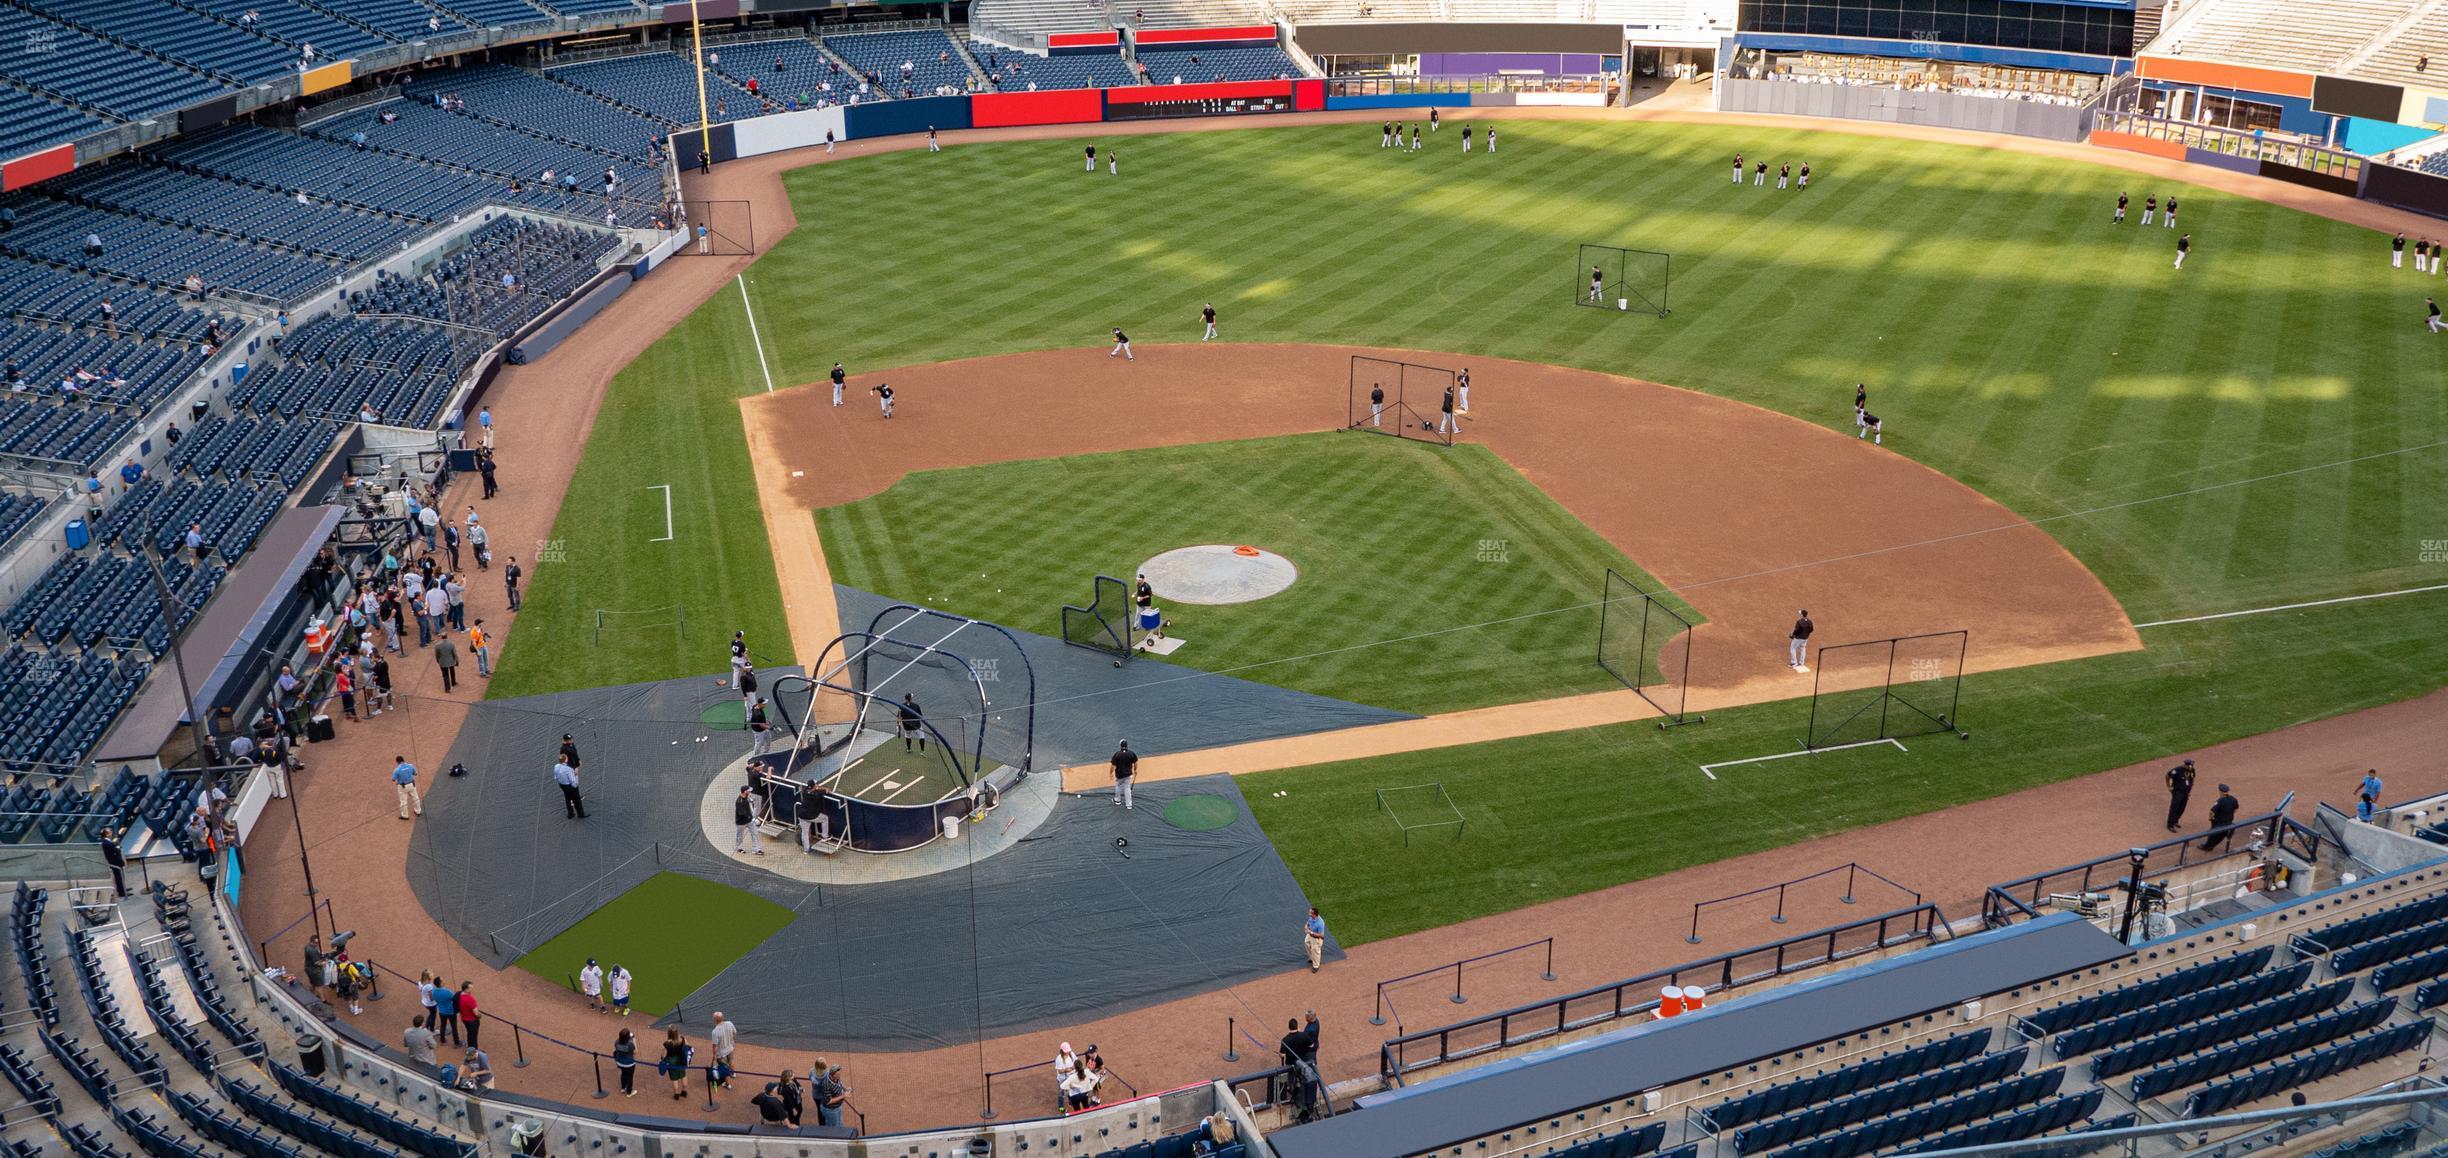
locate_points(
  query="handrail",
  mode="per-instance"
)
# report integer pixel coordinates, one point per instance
(1622, 999)
(1851, 869)
(1547, 973)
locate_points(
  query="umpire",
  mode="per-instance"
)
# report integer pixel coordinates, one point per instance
(2180, 790)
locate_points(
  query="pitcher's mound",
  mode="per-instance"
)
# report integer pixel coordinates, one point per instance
(1216, 573)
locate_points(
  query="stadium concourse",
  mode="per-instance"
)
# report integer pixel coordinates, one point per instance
(1616, 933)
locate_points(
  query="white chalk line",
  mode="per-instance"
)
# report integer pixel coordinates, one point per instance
(1709, 770)
(752, 333)
(667, 514)
(2293, 606)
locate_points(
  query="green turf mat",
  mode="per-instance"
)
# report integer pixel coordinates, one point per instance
(1201, 812)
(674, 933)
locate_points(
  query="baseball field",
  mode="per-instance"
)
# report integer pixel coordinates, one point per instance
(2261, 429)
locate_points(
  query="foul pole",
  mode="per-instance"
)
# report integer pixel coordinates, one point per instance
(705, 126)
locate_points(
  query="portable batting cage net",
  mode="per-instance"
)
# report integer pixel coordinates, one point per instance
(1614, 278)
(1647, 645)
(729, 230)
(1403, 399)
(1887, 689)
(1106, 623)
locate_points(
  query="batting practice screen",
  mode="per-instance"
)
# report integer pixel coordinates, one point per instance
(1646, 645)
(729, 230)
(1882, 689)
(1613, 278)
(1404, 399)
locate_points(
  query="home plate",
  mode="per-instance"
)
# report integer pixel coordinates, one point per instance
(1166, 646)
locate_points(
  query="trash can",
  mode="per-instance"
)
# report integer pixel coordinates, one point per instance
(952, 825)
(310, 1054)
(527, 1136)
(78, 535)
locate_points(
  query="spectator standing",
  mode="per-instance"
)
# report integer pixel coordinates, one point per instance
(1313, 938)
(419, 1042)
(590, 982)
(618, 982)
(484, 427)
(725, 1037)
(425, 990)
(450, 544)
(624, 1059)
(828, 1092)
(510, 580)
(2367, 795)
(404, 781)
(454, 588)
(469, 1019)
(482, 646)
(115, 857)
(446, 657)
(481, 544)
(484, 466)
(674, 1066)
(446, 1012)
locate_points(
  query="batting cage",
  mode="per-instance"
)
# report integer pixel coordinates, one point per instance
(730, 230)
(1884, 689)
(1647, 645)
(1404, 399)
(1106, 623)
(920, 719)
(1612, 277)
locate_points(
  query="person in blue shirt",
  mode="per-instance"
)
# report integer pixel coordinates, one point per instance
(1313, 938)
(2367, 795)
(404, 778)
(132, 473)
(446, 1012)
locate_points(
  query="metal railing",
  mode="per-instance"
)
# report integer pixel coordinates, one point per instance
(1853, 872)
(1385, 1004)
(2249, 144)
(986, 1083)
(1410, 1053)
(2028, 897)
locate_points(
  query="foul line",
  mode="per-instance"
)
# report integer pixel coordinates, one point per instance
(2294, 606)
(1705, 769)
(667, 522)
(752, 333)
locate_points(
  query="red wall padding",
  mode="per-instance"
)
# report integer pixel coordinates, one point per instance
(1069, 106)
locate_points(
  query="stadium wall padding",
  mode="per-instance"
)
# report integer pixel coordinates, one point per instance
(2309, 179)
(1242, 33)
(33, 167)
(550, 331)
(887, 118)
(1934, 109)
(721, 139)
(1062, 107)
(2406, 189)
(203, 115)
(1377, 39)
(772, 134)
(1411, 100)
(2225, 161)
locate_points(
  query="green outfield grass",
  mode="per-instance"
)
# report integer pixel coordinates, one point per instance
(1012, 543)
(2178, 431)
(674, 932)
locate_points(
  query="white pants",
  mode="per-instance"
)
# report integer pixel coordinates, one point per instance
(1780, 181)
(934, 146)
(1122, 348)
(277, 773)
(837, 394)
(1113, 165)
(1738, 174)
(745, 839)
(2397, 259)
(2435, 261)
(1091, 164)
(1384, 140)
(1122, 791)
(1796, 651)
(1415, 142)
(488, 437)
(2169, 221)
(735, 672)
(1491, 144)
(1805, 180)
(828, 148)
(1377, 414)
(2437, 324)
(1445, 422)
(409, 799)
(1761, 177)
(886, 403)
(2180, 256)
(2120, 217)
(1466, 144)
(1462, 400)
(1210, 332)
(764, 740)
(2146, 215)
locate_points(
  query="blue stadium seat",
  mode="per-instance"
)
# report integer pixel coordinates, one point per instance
(2134, 995)
(29, 122)
(663, 86)
(1205, 65)
(1013, 70)
(89, 70)
(2252, 1051)
(200, 42)
(1860, 1075)
(935, 65)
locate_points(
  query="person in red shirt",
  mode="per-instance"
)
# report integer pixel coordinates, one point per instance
(469, 1019)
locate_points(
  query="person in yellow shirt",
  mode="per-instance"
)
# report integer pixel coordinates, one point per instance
(482, 645)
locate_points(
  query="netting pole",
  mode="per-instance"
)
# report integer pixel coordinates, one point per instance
(1887, 690)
